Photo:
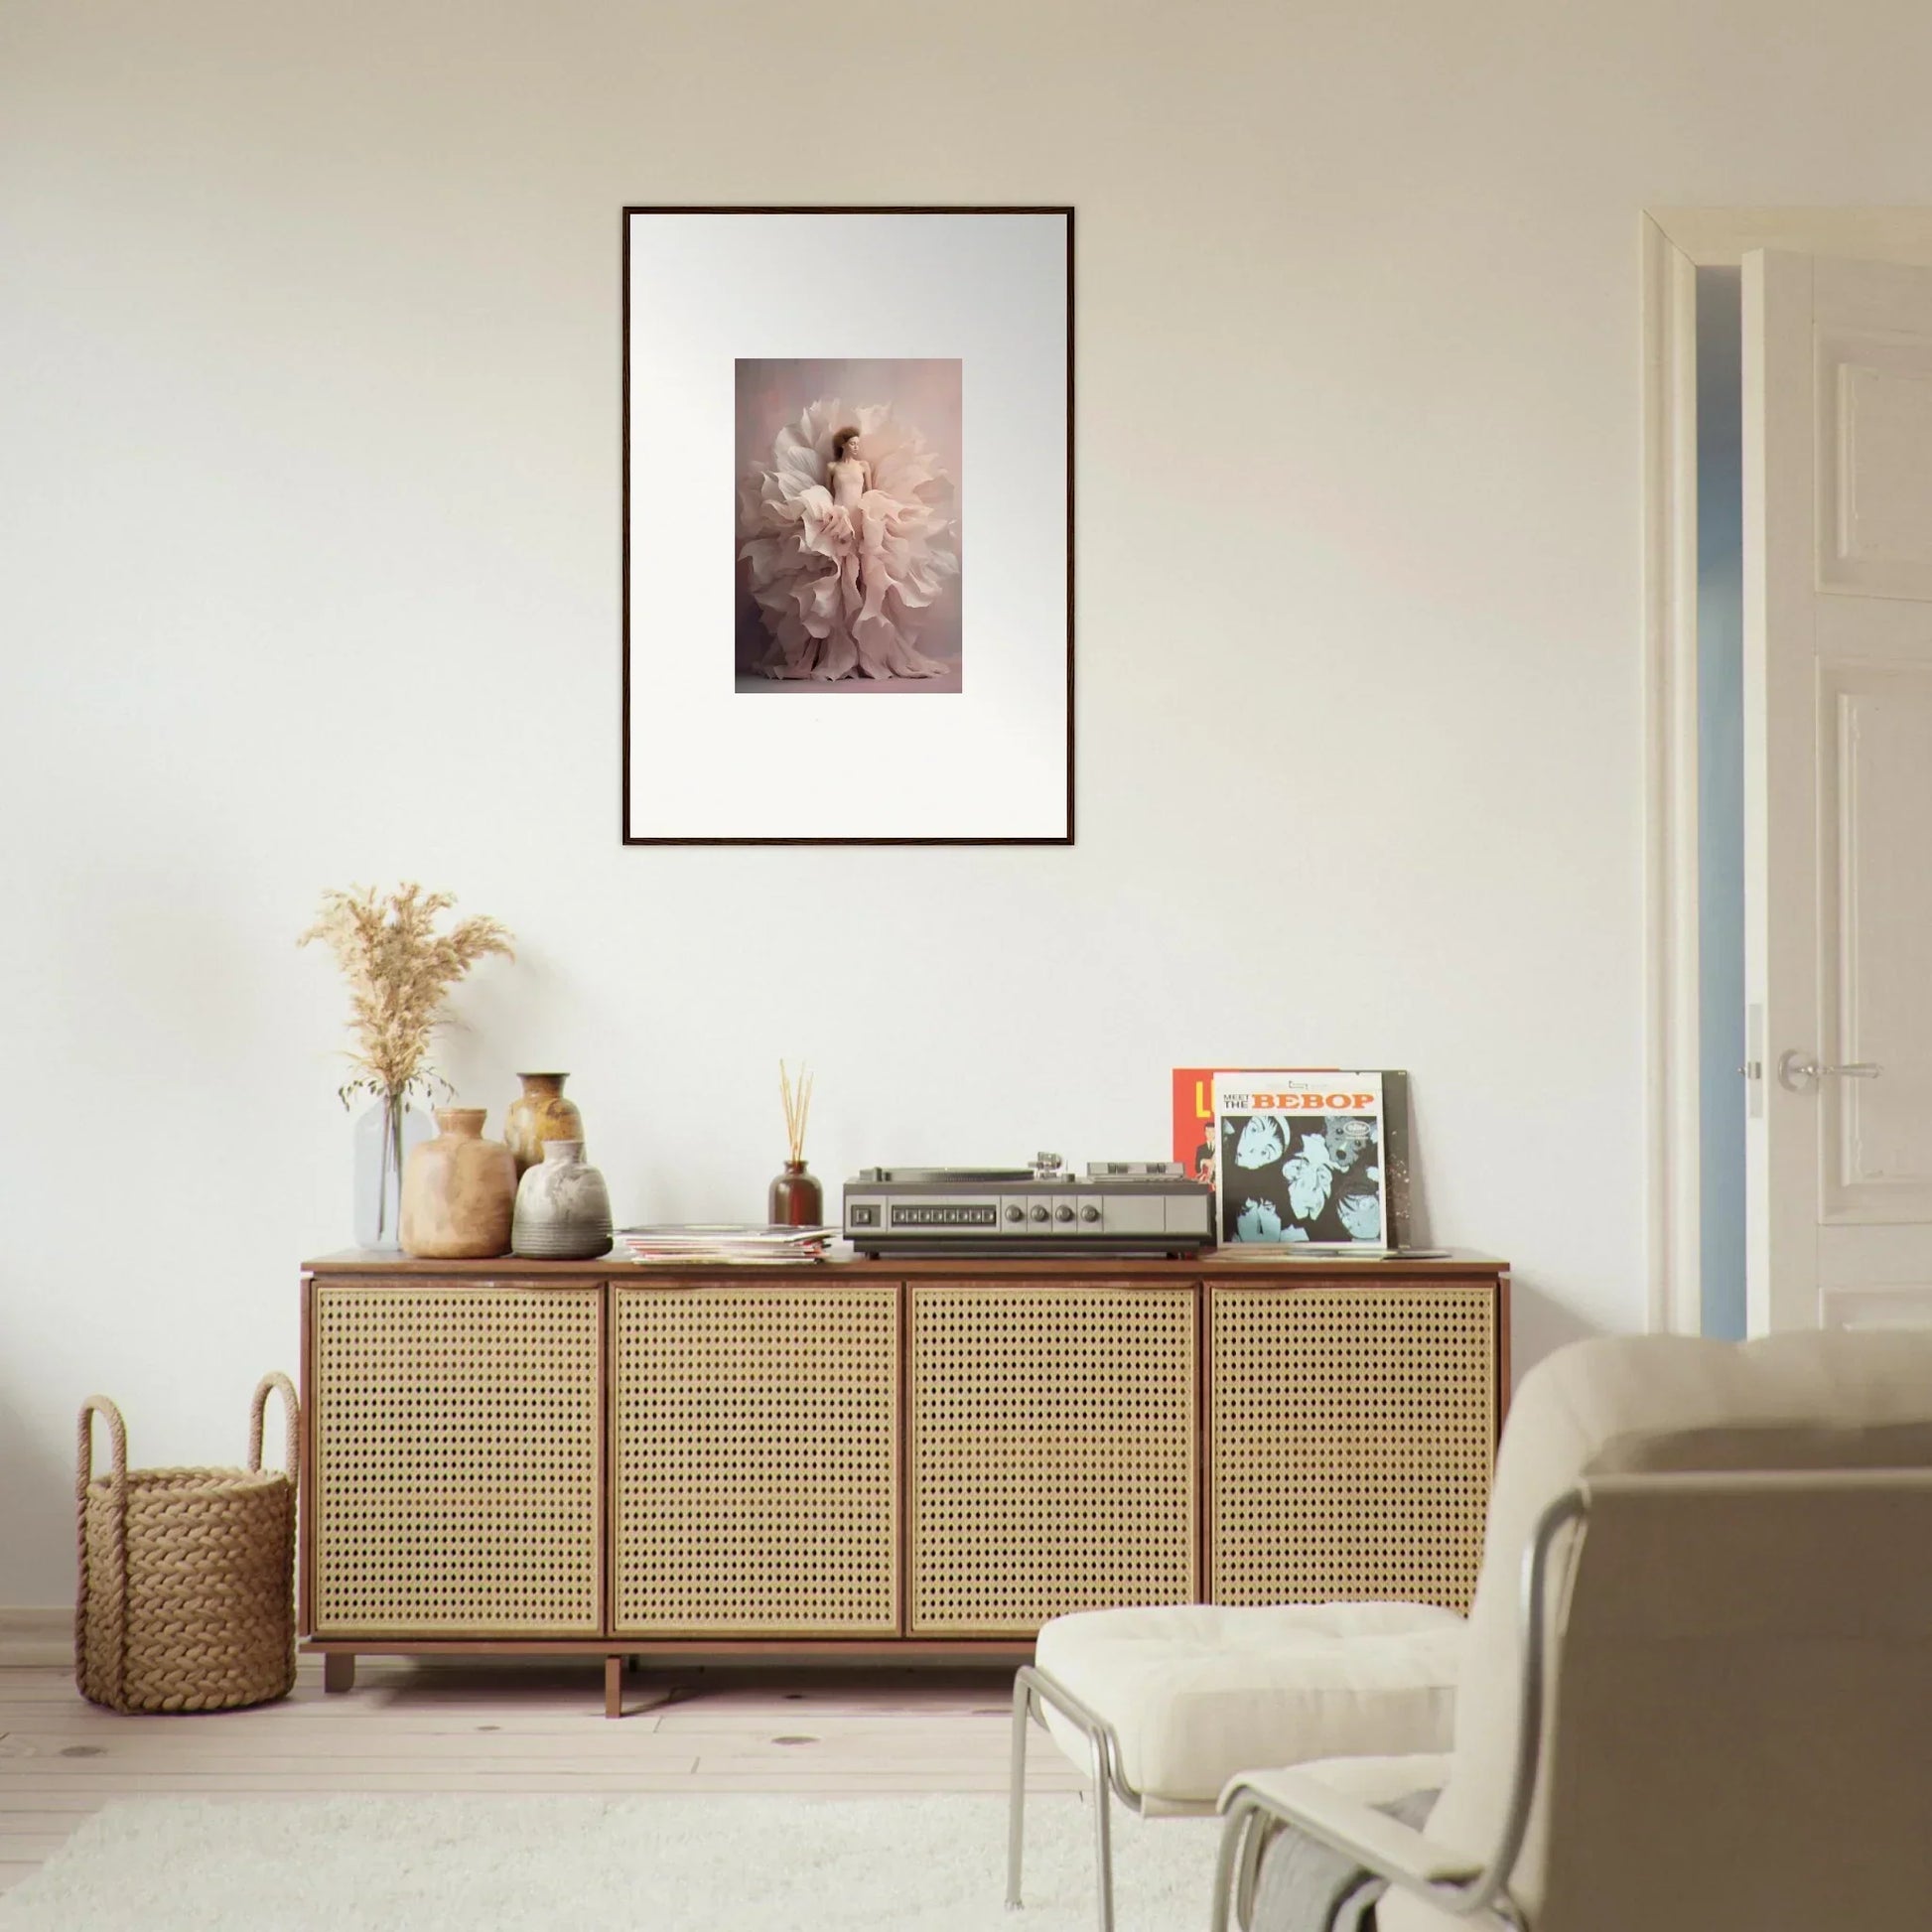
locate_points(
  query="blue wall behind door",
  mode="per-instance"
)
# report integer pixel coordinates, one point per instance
(1721, 799)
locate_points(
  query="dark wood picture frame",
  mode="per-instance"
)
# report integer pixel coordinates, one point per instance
(630, 835)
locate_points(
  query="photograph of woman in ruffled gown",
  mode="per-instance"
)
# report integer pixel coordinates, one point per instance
(848, 527)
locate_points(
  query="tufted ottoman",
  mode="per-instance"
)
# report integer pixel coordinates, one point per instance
(1164, 1706)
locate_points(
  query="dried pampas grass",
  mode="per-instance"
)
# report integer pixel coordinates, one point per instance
(399, 970)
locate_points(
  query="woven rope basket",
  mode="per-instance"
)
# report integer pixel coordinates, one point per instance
(186, 1597)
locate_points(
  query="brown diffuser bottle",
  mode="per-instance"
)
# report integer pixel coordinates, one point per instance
(795, 1199)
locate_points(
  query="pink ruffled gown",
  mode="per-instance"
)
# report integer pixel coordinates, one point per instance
(845, 575)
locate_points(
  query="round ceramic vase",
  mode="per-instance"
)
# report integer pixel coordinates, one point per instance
(538, 1114)
(458, 1192)
(563, 1209)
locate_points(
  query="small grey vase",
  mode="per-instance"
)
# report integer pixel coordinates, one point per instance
(563, 1209)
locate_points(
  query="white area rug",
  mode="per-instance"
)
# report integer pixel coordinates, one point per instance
(583, 1864)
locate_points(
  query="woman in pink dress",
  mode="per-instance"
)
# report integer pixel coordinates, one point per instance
(849, 541)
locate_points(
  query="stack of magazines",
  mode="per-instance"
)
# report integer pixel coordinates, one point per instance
(725, 1242)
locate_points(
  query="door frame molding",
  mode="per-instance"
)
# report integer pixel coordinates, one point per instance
(1675, 243)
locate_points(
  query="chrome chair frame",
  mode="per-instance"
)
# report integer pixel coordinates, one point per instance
(1453, 1883)
(1479, 1895)
(1033, 1689)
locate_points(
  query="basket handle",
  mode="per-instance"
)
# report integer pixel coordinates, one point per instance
(115, 1639)
(99, 1405)
(257, 1415)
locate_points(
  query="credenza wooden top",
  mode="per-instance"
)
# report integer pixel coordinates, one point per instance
(1213, 1264)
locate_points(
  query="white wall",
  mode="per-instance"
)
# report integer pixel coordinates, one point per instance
(309, 447)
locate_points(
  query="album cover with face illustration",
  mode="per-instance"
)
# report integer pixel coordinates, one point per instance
(1314, 1157)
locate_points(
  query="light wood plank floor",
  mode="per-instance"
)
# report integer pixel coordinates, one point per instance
(511, 1727)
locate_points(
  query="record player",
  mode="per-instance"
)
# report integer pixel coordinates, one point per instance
(1123, 1207)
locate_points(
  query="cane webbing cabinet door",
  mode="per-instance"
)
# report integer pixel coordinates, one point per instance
(1350, 1436)
(1053, 1461)
(756, 1445)
(457, 1440)
(919, 1459)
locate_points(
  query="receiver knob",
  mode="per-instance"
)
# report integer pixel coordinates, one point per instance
(1089, 1212)
(1062, 1213)
(1040, 1213)
(1015, 1212)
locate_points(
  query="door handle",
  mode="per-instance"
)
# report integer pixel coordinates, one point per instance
(1800, 1071)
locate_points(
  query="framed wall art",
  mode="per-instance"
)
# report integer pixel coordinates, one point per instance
(848, 525)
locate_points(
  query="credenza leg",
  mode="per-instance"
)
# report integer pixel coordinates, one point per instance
(613, 1687)
(339, 1670)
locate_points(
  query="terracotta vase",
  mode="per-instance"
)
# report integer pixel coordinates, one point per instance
(458, 1191)
(795, 1199)
(563, 1209)
(540, 1113)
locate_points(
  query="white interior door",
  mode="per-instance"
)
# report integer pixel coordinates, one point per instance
(1838, 789)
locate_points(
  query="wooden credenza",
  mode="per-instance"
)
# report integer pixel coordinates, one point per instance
(903, 1458)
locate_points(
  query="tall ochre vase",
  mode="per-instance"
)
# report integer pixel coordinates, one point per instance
(540, 1113)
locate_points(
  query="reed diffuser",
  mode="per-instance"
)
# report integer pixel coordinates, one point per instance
(795, 1200)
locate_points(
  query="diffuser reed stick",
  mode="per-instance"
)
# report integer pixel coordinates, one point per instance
(797, 1097)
